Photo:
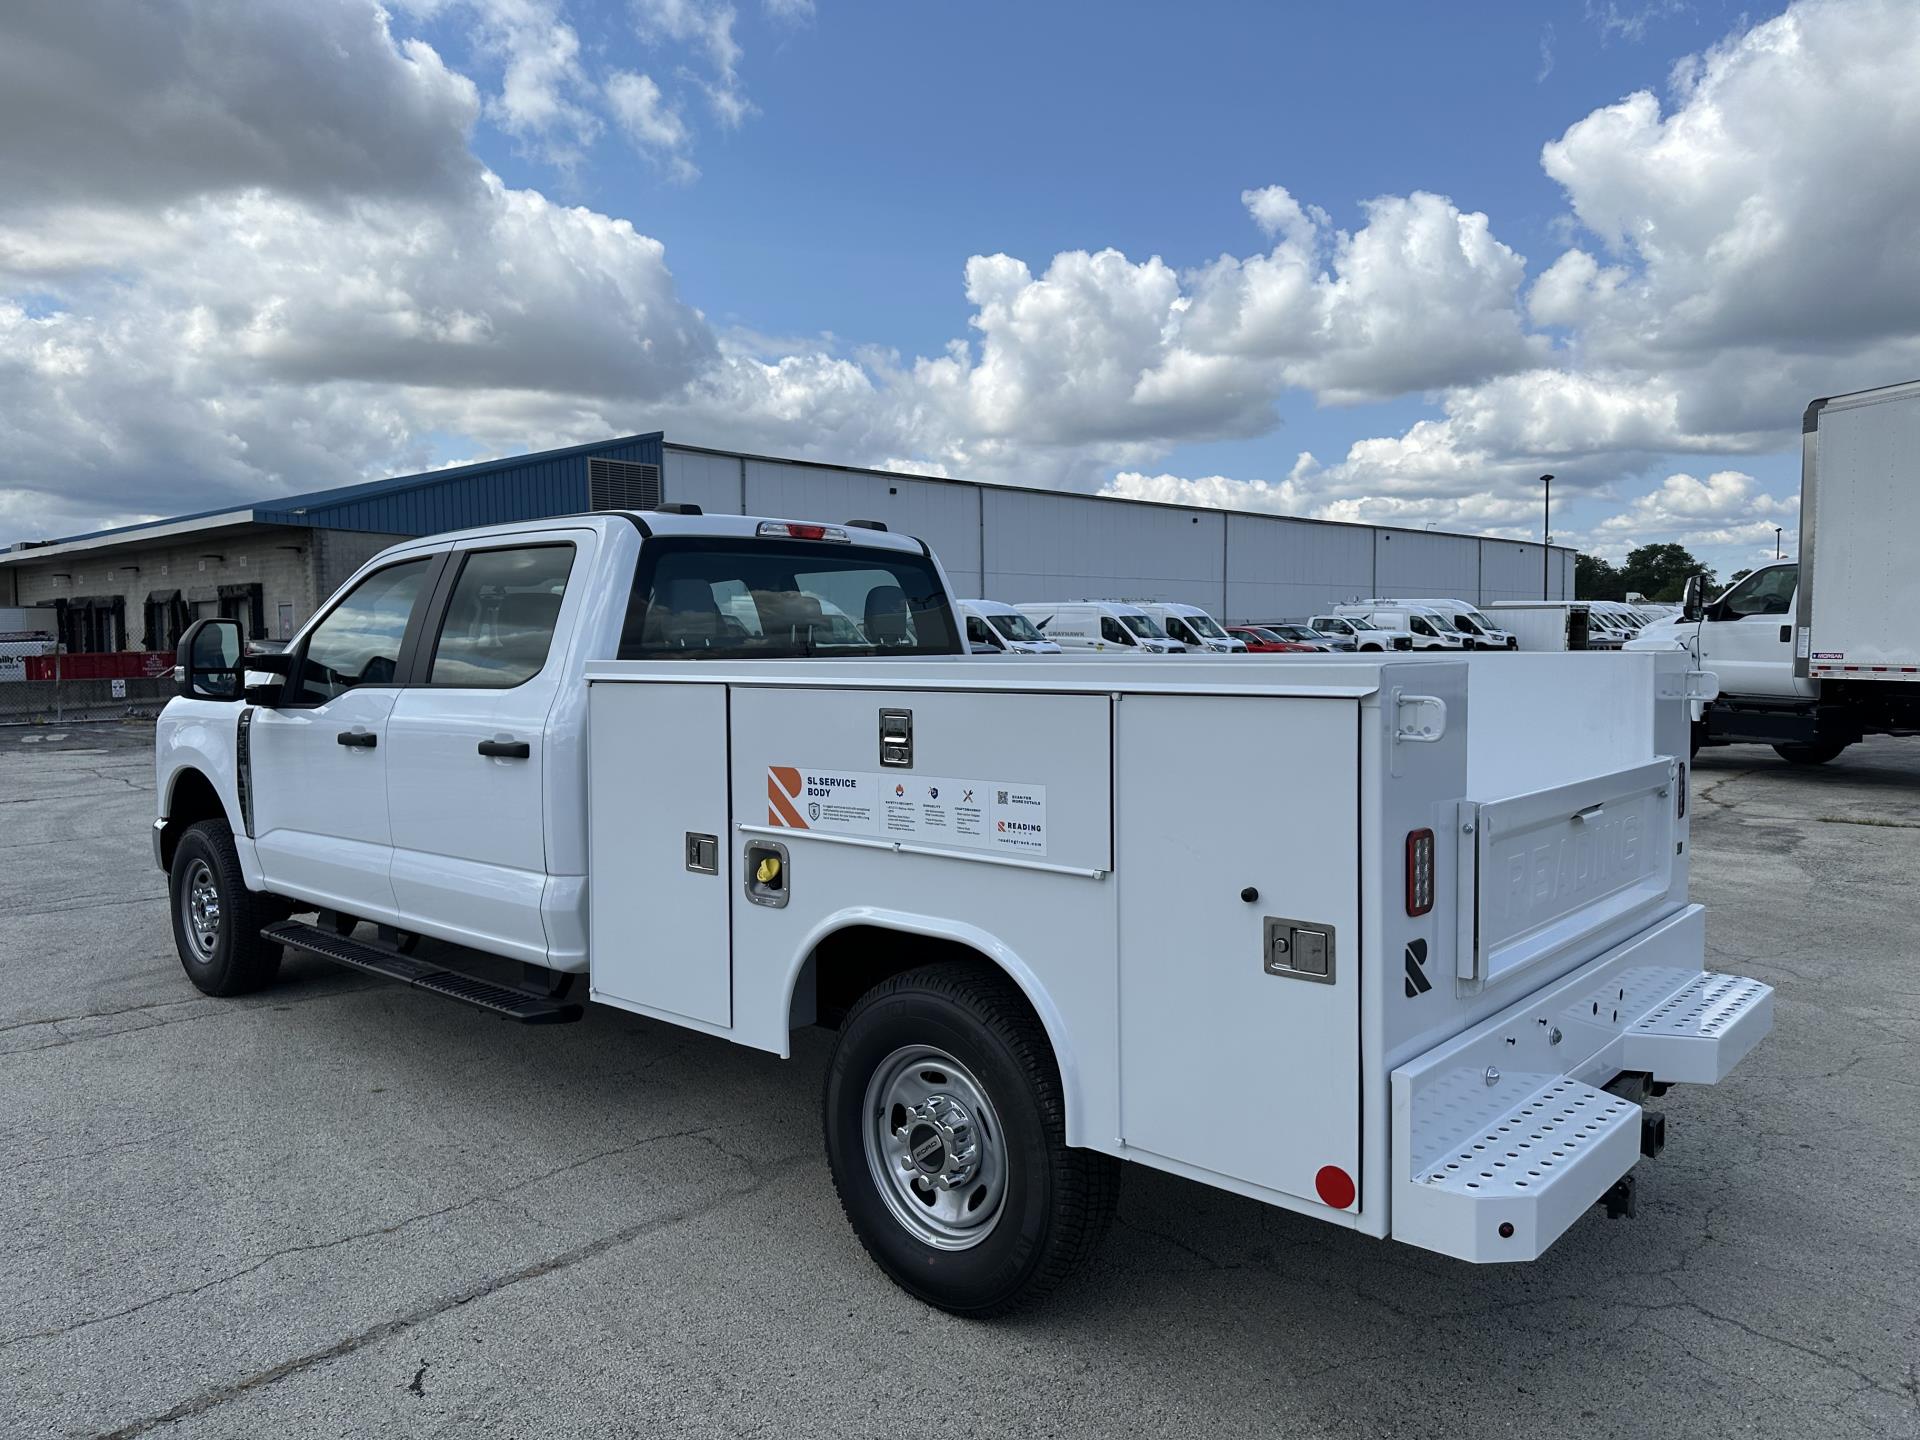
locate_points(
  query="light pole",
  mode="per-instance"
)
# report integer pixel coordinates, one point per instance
(1546, 534)
(1776, 541)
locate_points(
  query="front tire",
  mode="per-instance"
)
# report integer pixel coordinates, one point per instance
(216, 919)
(946, 1136)
(1815, 754)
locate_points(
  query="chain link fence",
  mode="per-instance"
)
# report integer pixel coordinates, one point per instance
(55, 689)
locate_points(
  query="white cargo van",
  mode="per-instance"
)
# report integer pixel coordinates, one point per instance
(1193, 627)
(1101, 625)
(993, 628)
(1421, 630)
(1481, 631)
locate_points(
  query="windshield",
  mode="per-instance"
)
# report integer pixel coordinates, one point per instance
(1016, 627)
(1480, 621)
(1206, 625)
(1143, 626)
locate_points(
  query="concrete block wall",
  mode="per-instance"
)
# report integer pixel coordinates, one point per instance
(296, 569)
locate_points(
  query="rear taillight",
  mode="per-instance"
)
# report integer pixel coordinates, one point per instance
(1419, 872)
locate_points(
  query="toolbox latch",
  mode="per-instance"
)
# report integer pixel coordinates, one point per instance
(896, 738)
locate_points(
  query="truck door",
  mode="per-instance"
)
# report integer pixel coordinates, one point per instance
(1236, 1057)
(1746, 637)
(318, 761)
(469, 742)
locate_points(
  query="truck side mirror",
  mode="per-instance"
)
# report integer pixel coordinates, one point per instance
(207, 664)
(1693, 599)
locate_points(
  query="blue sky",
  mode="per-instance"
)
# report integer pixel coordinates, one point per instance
(1436, 249)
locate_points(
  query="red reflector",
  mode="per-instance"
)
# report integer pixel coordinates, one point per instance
(1334, 1187)
(1419, 872)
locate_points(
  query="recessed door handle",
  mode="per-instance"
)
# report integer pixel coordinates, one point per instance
(364, 739)
(505, 749)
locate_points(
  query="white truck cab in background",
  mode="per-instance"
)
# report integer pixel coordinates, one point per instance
(1101, 625)
(1813, 654)
(1193, 628)
(993, 628)
(1354, 632)
(739, 776)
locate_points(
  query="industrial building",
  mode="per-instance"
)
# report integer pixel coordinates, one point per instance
(271, 564)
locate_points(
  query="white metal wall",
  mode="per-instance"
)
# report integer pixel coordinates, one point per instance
(1018, 545)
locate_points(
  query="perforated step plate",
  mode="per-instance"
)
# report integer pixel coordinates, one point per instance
(424, 975)
(1701, 1031)
(1534, 1168)
(1504, 1124)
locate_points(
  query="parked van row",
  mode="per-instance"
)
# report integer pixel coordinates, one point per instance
(1378, 625)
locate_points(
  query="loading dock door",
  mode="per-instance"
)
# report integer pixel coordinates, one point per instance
(1225, 1064)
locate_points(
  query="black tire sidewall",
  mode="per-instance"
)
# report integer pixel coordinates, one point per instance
(241, 961)
(992, 1273)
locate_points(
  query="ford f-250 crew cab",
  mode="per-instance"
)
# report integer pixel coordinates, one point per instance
(737, 775)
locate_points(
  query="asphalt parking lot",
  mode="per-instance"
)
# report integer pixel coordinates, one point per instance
(340, 1208)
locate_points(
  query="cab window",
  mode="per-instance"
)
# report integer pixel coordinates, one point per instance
(359, 641)
(500, 621)
(979, 634)
(711, 599)
(1113, 632)
(1766, 592)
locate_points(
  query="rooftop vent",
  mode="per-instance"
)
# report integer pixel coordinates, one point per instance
(622, 485)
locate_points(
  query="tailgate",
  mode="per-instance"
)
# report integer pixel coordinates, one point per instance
(1542, 873)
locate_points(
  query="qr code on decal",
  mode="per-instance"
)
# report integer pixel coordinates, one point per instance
(1002, 796)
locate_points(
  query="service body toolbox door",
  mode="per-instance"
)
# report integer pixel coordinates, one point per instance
(1240, 1018)
(661, 847)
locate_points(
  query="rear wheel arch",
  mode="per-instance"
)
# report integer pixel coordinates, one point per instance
(849, 956)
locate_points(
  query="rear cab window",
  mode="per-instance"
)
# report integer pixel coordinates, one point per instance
(696, 597)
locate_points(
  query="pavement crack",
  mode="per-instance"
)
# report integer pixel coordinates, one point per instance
(395, 1228)
(422, 1314)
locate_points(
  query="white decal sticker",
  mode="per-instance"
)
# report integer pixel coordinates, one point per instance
(920, 809)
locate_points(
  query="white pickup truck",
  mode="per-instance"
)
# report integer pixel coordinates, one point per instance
(738, 775)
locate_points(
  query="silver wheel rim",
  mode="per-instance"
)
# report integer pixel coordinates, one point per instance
(200, 911)
(935, 1148)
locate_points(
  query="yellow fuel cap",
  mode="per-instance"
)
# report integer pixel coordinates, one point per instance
(768, 871)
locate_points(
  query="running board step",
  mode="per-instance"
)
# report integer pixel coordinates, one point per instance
(424, 975)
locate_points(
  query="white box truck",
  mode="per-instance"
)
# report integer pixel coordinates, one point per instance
(1814, 654)
(1549, 625)
(1423, 988)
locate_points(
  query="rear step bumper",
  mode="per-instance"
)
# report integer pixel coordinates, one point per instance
(1502, 1136)
(424, 975)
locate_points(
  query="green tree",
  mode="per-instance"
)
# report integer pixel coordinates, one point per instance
(1596, 579)
(1660, 572)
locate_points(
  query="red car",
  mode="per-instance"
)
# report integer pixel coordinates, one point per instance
(1261, 641)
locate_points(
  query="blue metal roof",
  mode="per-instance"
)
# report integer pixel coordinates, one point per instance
(491, 492)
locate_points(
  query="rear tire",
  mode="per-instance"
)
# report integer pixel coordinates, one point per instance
(946, 1136)
(216, 919)
(1817, 754)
